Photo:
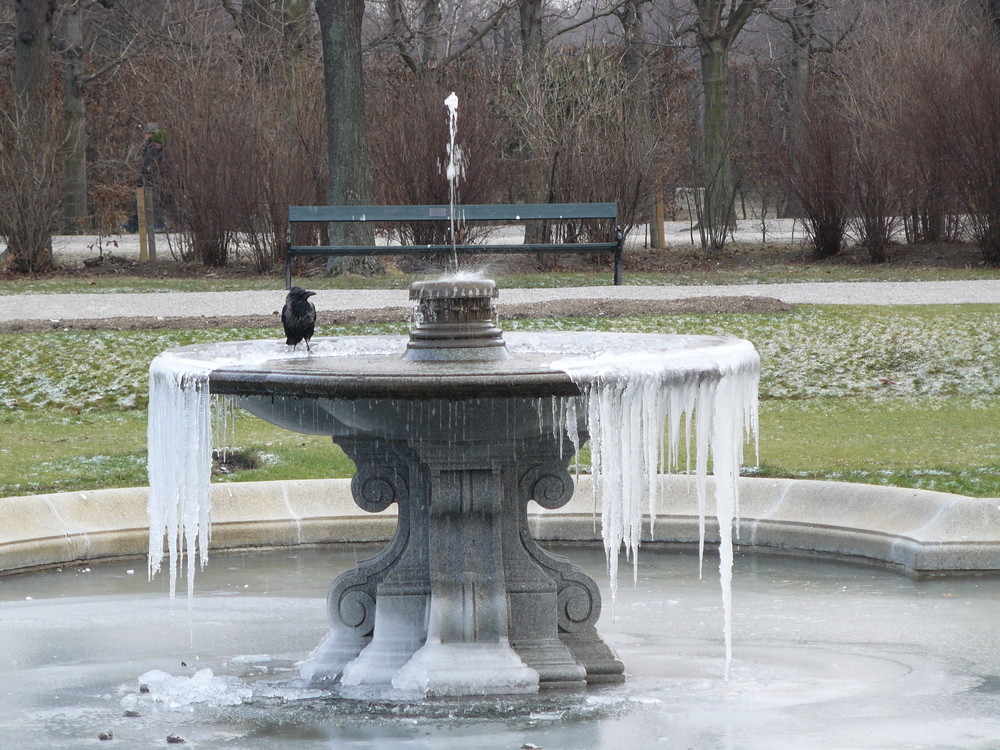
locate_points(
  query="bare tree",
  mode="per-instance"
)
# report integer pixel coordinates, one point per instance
(430, 36)
(347, 133)
(820, 171)
(961, 106)
(532, 71)
(32, 49)
(634, 58)
(879, 186)
(31, 142)
(346, 127)
(808, 28)
(76, 79)
(717, 25)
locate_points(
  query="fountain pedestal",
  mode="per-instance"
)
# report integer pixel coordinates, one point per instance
(462, 601)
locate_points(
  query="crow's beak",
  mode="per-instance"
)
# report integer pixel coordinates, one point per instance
(310, 294)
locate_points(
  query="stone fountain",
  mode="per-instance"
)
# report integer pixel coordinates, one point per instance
(461, 429)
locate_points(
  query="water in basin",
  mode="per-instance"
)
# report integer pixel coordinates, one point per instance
(825, 654)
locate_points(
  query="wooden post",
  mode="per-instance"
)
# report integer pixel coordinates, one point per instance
(659, 231)
(151, 225)
(654, 237)
(140, 212)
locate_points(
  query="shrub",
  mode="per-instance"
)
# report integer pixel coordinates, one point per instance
(819, 175)
(31, 181)
(235, 158)
(408, 136)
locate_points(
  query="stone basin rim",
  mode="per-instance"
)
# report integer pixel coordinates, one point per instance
(383, 373)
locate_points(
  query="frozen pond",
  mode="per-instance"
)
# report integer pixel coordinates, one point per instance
(825, 654)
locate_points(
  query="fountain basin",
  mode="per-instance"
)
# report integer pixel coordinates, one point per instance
(844, 655)
(917, 532)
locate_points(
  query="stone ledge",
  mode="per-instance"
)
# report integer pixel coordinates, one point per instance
(917, 530)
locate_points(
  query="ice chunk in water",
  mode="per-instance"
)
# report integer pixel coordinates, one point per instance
(176, 692)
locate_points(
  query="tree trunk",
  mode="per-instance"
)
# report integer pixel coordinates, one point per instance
(533, 61)
(634, 57)
(638, 96)
(30, 167)
(717, 208)
(718, 23)
(800, 25)
(430, 30)
(32, 46)
(346, 128)
(74, 108)
(295, 32)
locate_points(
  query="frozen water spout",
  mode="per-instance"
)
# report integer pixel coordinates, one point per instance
(454, 171)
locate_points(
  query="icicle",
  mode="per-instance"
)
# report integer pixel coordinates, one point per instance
(635, 395)
(179, 464)
(635, 402)
(179, 437)
(702, 426)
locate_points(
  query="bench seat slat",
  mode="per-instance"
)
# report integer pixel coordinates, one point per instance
(472, 212)
(581, 247)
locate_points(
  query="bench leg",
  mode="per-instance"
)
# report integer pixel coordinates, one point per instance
(618, 267)
(288, 271)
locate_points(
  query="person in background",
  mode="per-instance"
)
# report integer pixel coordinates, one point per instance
(153, 138)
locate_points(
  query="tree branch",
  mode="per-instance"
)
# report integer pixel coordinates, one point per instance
(612, 10)
(111, 65)
(491, 24)
(739, 15)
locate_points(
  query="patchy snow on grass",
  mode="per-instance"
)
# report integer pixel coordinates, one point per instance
(813, 352)
(851, 352)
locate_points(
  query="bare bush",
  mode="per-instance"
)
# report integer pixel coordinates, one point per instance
(758, 124)
(955, 98)
(875, 197)
(636, 147)
(887, 166)
(819, 177)
(117, 109)
(31, 179)
(596, 141)
(206, 156)
(288, 167)
(408, 132)
(235, 158)
(974, 146)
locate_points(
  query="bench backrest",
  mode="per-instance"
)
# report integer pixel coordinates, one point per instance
(472, 212)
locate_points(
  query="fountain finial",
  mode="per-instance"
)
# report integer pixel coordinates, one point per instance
(455, 320)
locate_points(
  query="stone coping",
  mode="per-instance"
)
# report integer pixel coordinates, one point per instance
(919, 531)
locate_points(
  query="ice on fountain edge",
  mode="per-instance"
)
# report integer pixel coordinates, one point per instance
(179, 439)
(639, 405)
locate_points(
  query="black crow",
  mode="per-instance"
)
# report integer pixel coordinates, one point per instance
(298, 316)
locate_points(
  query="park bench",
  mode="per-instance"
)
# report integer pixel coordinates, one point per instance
(483, 214)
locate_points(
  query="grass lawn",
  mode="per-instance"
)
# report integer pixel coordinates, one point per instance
(906, 396)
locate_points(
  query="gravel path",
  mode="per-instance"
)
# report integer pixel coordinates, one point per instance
(53, 308)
